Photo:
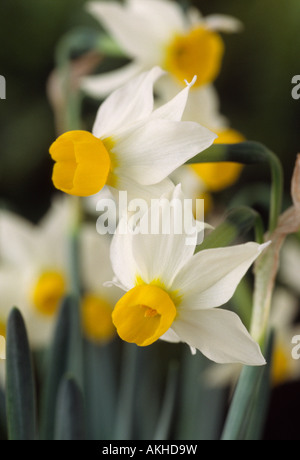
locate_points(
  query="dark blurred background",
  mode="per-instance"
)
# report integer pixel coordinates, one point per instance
(254, 86)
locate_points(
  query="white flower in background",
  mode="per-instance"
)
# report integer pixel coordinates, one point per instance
(33, 269)
(159, 32)
(34, 272)
(172, 294)
(133, 147)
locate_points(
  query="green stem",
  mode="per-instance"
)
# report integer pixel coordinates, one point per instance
(249, 153)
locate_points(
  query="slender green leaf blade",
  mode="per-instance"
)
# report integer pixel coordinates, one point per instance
(262, 399)
(20, 387)
(237, 223)
(70, 417)
(125, 406)
(100, 385)
(57, 366)
(245, 412)
(168, 407)
(250, 153)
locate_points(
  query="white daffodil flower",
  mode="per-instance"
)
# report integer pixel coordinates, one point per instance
(133, 147)
(34, 273)
(172, 294)
(159, 32)
(33, 269)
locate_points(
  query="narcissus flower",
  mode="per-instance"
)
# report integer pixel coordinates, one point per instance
(33, 269)
(159, 32)
(34, 272)
(132, 147)
(172, 294)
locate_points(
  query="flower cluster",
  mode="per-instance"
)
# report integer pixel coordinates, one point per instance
(138, 145)
(142, 277)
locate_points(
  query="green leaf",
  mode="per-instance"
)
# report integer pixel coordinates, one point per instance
(20, 388)
(200, 405)
(246, 415)
(249, 153)
(126, 397)
(65, 356)
(100, 386)
(237, 223)
(262, 398)
(57, 365)
(70, 415)
(168, 406)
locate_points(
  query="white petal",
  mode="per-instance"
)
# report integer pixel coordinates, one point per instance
(174, 109)
(135, 34)
(167, 247)
(90, 203)
(204, 108)
(203, 104)
(12, 290)
(17, 239)
(39, 327)
(170, 336)
(56, 222)
(137, 191)
(211, 277)
(52, 234)
(219, 335)
(223, 23)
(284, 308)
(151, 152)
(167, 17)
(122, 259)
(195, 18)
(100, 86)
(191, 184)
(129, 104)
(95, 258)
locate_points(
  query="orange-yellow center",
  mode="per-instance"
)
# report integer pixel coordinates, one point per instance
(217, 176)
(82, 163)
(96, 318)
(49, 292)
(198, 52)
(144, 314)
(280, 366)
(2, 328)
